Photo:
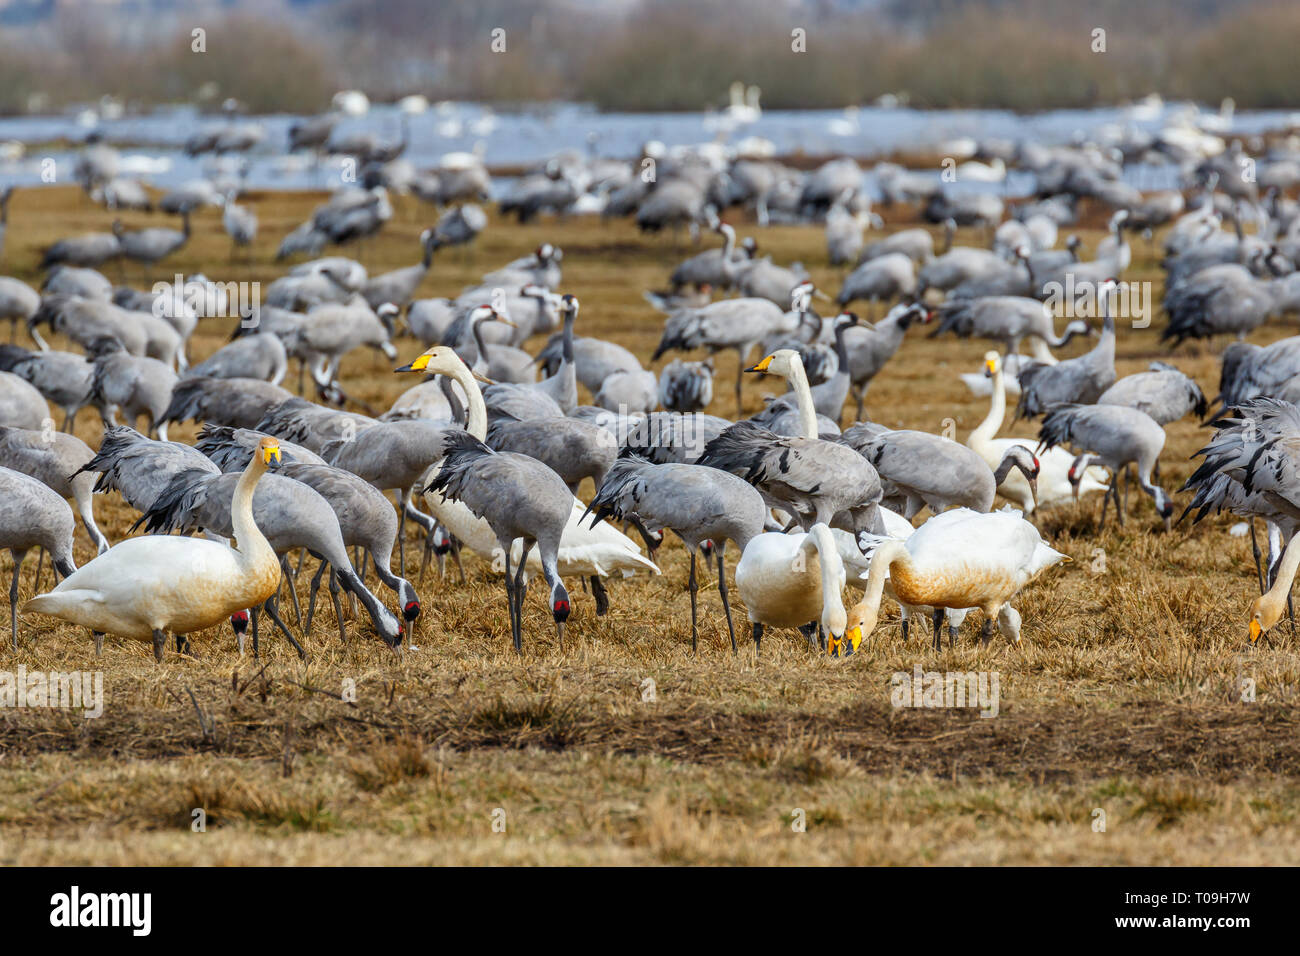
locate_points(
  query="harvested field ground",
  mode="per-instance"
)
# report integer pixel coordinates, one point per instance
(1125, 698)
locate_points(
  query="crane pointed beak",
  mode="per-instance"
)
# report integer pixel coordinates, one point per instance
(1033, 491)
(481, 378)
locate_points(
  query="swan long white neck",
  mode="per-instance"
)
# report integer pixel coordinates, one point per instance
(1275, 597)
(798, 381)
(881, 561)
(253, 548)
(476, 410)
(832, 571)
(988, 429)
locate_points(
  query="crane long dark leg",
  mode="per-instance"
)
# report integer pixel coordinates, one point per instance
(906, 626)
(726, 604)
(520, 591)
(401, 534)
(272, 608)
(13, 596)
(40, 567)
(253, 614)
(338, 608)
(1254, 547)
(938, 629)
(311, 600)
(292, 580)
(693, 586)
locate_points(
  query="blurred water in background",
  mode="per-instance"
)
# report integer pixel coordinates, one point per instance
(150, 143)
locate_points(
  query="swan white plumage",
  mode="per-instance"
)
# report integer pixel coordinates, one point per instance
(1053, 465)
(959, 559)
(585, 551)
(858, 566)
(146, 586)
(791, 580)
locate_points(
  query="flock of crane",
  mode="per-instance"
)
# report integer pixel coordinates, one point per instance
(483, 454)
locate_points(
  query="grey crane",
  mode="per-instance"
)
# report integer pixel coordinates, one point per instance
(918, 469)
(71, 280)
(718, 268)
(1007, 319)
(366, 518)
(19, 302)
(697, 503)
(631, 392)
(573, 449)
(87, 320)
(498, 361)
(1249, 470)
(957, 265)
(669, 436)
(813, 479)
(519, 498)
(880, 279)
(846, 219)
(32, 516)
(290, 514)
(1163, 392)
(1078, 380)
(686, 386)
(763, 279)
(241, 402)
(459, 226)
(1113, 436)
(138, 385)
(21, 405)
(400, 285)
(240, 224)
(1251, 371)
(1222, 299)
(57, 461)
(594, 359)
(1014, 278)
(737, 324)
(148, 246)
(561, 388)
(332, 331)
(64, 378)
(917, 244)
(90, 250)
(870, 348)
(261, 356)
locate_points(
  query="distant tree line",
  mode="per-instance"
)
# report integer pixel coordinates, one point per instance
(675, 54)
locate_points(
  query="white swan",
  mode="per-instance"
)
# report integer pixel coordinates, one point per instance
(858, 566)
(144, 587)
(1053, 465)
(958, 559)
(599, 551)
(790, 580)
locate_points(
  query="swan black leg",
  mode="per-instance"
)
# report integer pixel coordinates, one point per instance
(99, 642)
(758, 636)
(159, 645)
(938, 629)
(600, 594)
(986, 630)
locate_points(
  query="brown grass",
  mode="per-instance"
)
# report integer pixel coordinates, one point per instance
(1125, 697)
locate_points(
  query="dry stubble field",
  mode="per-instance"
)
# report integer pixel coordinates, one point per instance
(1125, 696)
